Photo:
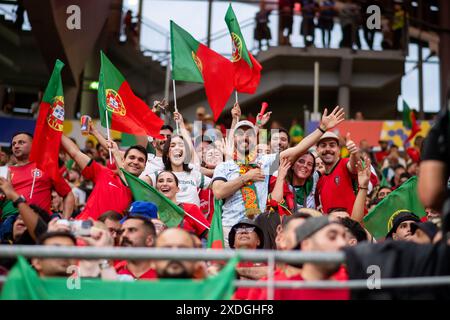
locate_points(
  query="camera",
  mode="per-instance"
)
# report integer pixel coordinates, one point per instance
(78, 227)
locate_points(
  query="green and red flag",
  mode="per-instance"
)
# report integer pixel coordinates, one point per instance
(247, 70)
(409, 121)
(120, 108)
(380, 219)
(168, 212)
(49, 125)
(23, 283)
(195, 62)
(215, 235)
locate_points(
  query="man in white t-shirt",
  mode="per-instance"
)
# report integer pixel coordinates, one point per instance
(154, 161)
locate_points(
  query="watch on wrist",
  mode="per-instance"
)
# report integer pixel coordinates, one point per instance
(20, 199)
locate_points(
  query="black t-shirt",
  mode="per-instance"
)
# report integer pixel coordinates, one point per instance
(437, 144)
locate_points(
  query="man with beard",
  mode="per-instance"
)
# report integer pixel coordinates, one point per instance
(110, 191)
(174, 238)
(243, 180)
(318, 234)
(55, 267)
(137, 232)
(21, 177)
(335, 187)
(154, 161)
(279, 140)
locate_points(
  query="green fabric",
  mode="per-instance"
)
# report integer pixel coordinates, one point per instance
(406, 116)
(384, 183)
(7, 209)
(184, 48)
(168, 212)
(236, 35)
(296, 132)
(215, 234)
(302, 192)
(109, 78)
(23, 283)
(54, 86)
(379, 221)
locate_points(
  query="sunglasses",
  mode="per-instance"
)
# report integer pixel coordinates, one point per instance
(245, 230)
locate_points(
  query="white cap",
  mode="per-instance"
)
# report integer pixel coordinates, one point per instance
(244, 123)
(328, 135)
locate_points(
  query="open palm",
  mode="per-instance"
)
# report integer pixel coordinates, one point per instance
(331, 120)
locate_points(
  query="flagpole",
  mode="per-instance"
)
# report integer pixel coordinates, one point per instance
(236, 95)
(32, 185)
(175, 103)
(199, 222)
(108, 134)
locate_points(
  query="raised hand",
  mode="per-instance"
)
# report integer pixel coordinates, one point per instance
(331, 120)
(236, 111)
(284, 167)
(351, 146)
(363, 172)
(7, 188)
(261, 120)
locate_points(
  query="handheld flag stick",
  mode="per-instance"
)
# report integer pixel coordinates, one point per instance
(199, 222)
(109, 136)
(175, 103)
(236, 94)
(34, 181)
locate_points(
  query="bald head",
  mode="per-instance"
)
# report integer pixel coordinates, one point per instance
(175, 239)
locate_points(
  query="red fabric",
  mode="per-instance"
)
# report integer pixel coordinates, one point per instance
(261, 293)
(246, 79)
(189, 224)
(217, 73)
(22, 181)
(139, 118)
(47, 139)
(380, 156)
(336, 188)
(415, 128)
(242, 293)
(206, 203)
(109, 192)
(122, 268)
(414, 154)
(288, 196)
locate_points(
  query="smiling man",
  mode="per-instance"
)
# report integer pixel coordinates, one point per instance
(110, 191)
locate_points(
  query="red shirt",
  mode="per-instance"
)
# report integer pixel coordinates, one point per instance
(122, 268)
(312, 294)
(22, 181)
(261, 293)
(380, 156)
(189, 224)
(109, 192)
(335, 189)
(242, 293)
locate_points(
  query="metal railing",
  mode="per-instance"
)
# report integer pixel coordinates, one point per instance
(270, 256)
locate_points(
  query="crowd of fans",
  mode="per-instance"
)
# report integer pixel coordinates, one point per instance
(352, 16)
(310, 194)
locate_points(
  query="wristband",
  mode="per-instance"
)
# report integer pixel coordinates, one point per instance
(363, 188)
(321, 130)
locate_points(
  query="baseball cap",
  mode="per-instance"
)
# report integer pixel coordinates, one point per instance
(142, 208)
(429, 228)
(402, 217)
(311, 226)
(328, 135)
(244, 123)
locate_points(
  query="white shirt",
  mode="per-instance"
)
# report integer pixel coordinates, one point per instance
(154, 164)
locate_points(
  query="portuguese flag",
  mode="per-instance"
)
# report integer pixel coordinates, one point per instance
(215, 235)
(168, 212)
(49, 126)
(247, 70)
(195, 62)
(120, 109)
(409, 121)
(379, 220)
(23, 283)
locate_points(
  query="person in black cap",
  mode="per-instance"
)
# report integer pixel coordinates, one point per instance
(423, 232)
(246, 235)
(401, 226)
